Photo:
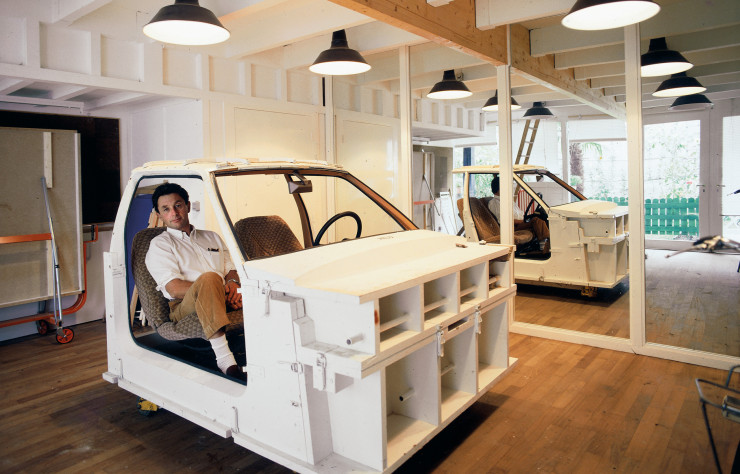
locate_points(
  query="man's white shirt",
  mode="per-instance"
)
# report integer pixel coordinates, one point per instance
(173, 254)
(494, 205)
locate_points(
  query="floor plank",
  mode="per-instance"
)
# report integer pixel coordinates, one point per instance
(563, 408)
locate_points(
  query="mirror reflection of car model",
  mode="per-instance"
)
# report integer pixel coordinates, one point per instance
(585, 245)
(362, 335)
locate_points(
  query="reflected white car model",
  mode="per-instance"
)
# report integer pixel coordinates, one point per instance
(587, 245)
(363, 335)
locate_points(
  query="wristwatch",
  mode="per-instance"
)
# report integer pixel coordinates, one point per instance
(231, 279)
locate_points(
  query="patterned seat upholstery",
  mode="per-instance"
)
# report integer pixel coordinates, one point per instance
(266, 236)
(487, 226)
(154, 304)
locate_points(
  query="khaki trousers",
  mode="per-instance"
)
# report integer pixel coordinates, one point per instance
(207, 298)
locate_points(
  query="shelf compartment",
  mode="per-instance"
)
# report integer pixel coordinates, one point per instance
(458, 369)
(493, 343)
(473, 284)
(441, 297)
(412, 399)
(399, 313)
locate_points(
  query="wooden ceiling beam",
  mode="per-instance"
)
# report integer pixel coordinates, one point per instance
(451, 25)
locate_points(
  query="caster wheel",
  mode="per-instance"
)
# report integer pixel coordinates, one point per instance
(145, 407)
(589, 291)
(65, 335)
(42, 327)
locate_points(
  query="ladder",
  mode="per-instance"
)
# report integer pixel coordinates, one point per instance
(528, 135)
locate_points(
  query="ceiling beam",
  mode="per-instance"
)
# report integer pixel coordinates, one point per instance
(492, 13)
(68, 11)
(451, 25)
(287, 23)
(701, 73)
(674, 18)
(687, 44)
(542, 69)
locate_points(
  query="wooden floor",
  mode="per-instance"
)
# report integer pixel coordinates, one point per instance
(692, 300)
(563, 408)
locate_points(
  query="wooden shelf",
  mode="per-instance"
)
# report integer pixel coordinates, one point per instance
(403, 434)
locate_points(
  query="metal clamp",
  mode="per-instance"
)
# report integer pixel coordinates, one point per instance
(478, 320)
(319, 373)
(440, 342)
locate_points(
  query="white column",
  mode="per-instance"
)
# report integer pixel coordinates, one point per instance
(635, 183)
(503, 80)
(404, 112)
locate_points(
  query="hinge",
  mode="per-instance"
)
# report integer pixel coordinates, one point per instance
(478, 320)
(440, 342)
(319, 373)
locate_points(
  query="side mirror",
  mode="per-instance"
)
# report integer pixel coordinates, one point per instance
(303, 185)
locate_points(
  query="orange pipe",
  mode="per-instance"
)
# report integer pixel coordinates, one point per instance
(81, 298)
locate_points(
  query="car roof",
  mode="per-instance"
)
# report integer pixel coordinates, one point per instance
(495, 169)
(203, 165)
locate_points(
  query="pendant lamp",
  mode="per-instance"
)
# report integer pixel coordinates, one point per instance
(449, 88)
(677, 85)
(339, 59)
(691, 102)
(538, 111)
(607, 14)
(661, 61)
(492, 104)
(186, 23)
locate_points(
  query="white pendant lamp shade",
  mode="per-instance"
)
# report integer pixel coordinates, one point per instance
(691, 102)
(449, 88)
(538, 111)
(678, 85)
(661, 61)
(608, 14)
(491, 104)
(186, 23)
(339, 59)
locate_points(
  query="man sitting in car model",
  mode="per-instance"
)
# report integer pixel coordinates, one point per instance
(538, 226)
(194, 271)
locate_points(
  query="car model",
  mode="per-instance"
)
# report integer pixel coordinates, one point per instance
(587, 245)
(362, 335)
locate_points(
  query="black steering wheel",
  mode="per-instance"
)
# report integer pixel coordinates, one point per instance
(335, 218)
(535, 211)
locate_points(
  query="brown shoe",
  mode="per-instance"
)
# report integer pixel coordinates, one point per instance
(237, 373)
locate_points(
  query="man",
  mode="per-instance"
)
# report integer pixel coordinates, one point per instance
(193, 269)
(538, 226)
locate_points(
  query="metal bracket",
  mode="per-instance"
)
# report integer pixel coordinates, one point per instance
(478, 320)
(235, 428)
(440, 342)
(319, 373)
(267, 292)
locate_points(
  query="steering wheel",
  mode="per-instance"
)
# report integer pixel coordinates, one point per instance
(335, 218)
(536, 211)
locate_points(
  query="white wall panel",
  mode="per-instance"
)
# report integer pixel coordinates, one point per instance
(260, 133)
(65, 49)
(226, 76)
(12, 32)
(265, 82)
(181, 68)
(304, 88)
(121, 59)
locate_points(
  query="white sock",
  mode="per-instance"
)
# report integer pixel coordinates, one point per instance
(224, 357)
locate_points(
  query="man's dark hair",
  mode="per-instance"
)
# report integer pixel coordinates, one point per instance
(495, 185)
(169, 188)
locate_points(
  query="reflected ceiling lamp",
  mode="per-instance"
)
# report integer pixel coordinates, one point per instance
(492, 104)
(186, 23)
(661, 61)
(607, 14)
(449, 87)
(677, 85)
(691, 102)
(538, 111)
(339, 59)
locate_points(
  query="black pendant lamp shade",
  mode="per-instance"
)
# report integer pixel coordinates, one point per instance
(449, 88)
(538, 112)
(677, 85)
(187, 23)
(691, 102)
(492, 104)
(607, 14)
(339, 59)
(661, 61)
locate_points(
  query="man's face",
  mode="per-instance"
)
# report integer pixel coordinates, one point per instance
(174, 212)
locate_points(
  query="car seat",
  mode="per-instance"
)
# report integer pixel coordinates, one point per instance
(487, 227)
(266, 236)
